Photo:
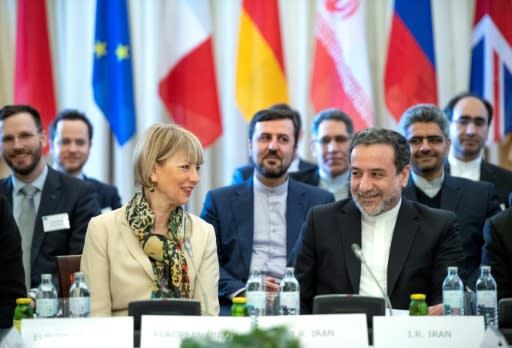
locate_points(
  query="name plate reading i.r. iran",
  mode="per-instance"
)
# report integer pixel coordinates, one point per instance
(428, 332)
(323, 330)
(78, 332)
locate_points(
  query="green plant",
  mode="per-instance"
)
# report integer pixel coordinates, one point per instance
(277, 337)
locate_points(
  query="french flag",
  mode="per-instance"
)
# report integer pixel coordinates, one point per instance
(491, 61)
(410, 76)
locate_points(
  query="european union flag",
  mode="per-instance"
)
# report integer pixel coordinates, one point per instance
(112, 73)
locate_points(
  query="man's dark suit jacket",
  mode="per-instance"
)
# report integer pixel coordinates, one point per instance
(12, 275)
(231, 212)
(497, 251)
(107, 194)
(473, 202)
(425, 242)
(244, 172)
(61, 194)
(500, 177)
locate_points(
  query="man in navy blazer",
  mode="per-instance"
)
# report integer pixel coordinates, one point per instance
(406, 245)
(63, 204)
(258, 221)
(426, 129)
(70, 141)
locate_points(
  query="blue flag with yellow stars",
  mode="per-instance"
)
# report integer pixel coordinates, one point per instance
(112, 72)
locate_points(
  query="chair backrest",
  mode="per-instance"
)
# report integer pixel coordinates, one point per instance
(340, 304)
(168, 306)
(67, 265)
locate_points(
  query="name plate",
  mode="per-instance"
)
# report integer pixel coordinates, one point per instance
(78, 332)
(428, 332)
(168, 331)
(323, 330)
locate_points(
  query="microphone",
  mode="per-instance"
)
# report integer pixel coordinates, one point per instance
(188, 249)
(359, 254)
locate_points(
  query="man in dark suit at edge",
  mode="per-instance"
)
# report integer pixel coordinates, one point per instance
(70, 142)
(407, 245)
(61, 205)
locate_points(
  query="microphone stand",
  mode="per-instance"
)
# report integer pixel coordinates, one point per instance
(359, 254)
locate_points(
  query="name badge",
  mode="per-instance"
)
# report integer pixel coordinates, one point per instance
(56, 222)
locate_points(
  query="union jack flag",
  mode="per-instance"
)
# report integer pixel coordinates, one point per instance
(491, 61)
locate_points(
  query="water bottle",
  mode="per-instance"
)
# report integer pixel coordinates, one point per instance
(487, 297)
(289, 295)
(453, 293)
(47, 303)
(256, 296)
(79, 305)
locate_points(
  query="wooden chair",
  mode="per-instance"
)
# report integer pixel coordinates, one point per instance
(67, 265)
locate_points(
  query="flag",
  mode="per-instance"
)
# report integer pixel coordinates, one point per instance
(491, 61)
(33, 78)
(260, 72)
(341, 74)
(410, 76)
(112, 70)
(188, 84)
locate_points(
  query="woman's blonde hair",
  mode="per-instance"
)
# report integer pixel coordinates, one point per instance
(160, 142)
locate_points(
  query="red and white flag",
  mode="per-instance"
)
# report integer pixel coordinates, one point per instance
(33, 78)
(341, 74)
(188, 84)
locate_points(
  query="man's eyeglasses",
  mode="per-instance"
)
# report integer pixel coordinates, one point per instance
(431, 139)
(339, 139)
(464, 121)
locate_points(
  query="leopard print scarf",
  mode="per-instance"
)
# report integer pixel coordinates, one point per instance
(166, 253)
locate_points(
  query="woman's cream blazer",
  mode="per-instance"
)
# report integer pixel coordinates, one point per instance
(117, 271)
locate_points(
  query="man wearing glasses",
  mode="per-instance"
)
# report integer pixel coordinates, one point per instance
(331, 135)
(470, 117)
(426, 129)
(51, 209)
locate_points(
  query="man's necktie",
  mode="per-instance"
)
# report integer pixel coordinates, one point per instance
(26, 223)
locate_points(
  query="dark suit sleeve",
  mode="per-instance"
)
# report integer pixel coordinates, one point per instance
(495, 253)
(493, 207)
(86, 207)
(12, 276)
(448, 253)
(305, 267)
(227, 283)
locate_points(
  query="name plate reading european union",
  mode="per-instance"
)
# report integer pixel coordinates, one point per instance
(326, 330)
(169, 330)
(78, 332)
(428, 332)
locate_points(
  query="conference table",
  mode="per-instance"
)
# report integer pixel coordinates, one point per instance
(331, 330)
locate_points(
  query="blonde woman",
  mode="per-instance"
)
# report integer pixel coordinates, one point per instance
(151, 248)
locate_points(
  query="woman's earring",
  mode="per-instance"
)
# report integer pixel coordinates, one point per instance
(151, 186)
